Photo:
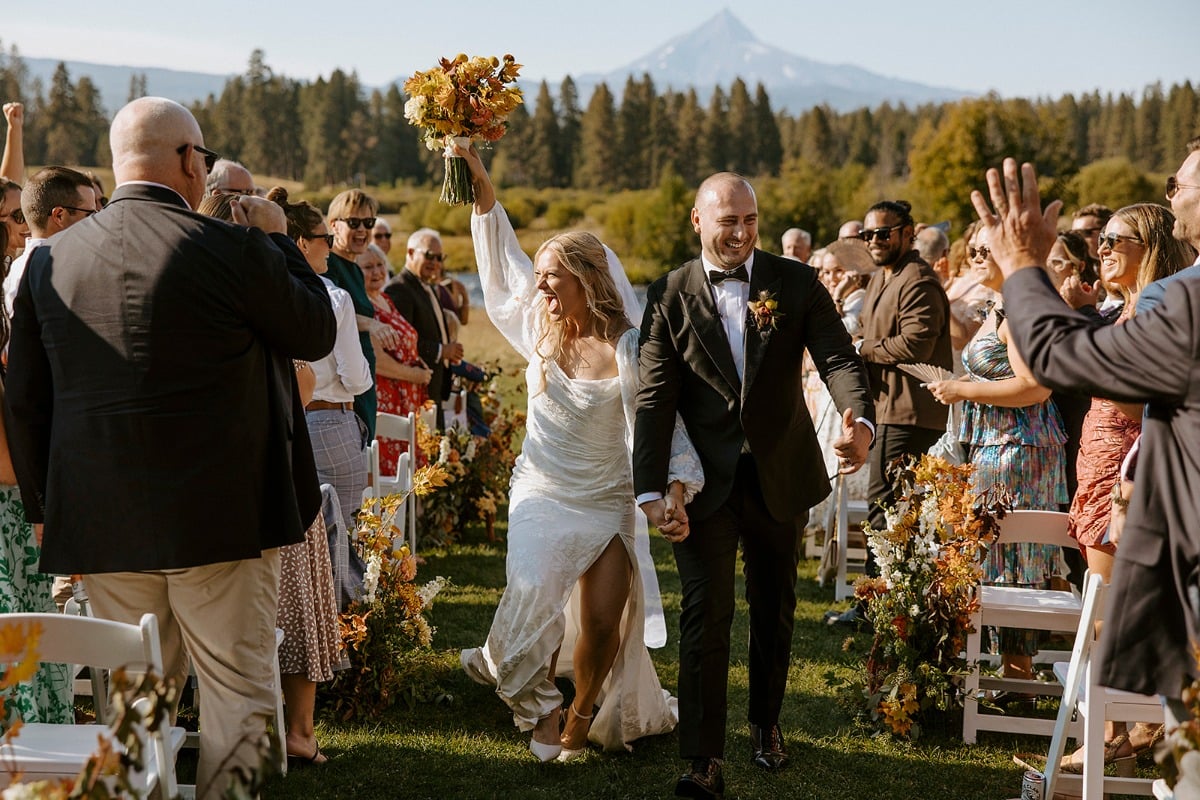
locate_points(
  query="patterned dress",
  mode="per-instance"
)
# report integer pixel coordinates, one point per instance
(396, 396)
(1021, 448)
(23, 589)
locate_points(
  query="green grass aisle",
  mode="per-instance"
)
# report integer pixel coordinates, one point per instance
(468, 748)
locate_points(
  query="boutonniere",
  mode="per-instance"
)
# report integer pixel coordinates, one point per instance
(765, 311)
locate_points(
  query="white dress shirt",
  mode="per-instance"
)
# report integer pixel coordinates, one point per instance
(345, 372)
(733, 299)
(16, 270)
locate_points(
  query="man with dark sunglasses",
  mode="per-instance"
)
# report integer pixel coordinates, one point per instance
(157, 431)
(905, 320)
(413, 295)
(54, 199)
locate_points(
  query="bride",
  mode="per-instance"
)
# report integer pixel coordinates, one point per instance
(581, 599)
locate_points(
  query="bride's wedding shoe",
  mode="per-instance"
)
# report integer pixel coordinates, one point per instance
(567, 753)
(544, 752)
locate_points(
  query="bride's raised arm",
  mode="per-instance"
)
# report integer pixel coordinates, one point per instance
(510, 294)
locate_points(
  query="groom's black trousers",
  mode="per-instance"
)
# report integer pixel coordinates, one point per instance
(706, 560)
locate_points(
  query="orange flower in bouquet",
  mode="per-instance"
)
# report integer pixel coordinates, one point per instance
(463, 99)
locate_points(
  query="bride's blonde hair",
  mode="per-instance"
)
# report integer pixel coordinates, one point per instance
(582, 254)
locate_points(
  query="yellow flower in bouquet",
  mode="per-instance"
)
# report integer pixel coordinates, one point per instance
(462, 98)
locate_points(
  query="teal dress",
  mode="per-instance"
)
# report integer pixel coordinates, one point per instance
(48, 696)
(1023, 449)
(346, 275)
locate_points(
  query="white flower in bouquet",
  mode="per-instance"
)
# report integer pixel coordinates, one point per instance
(371, 578)
(444, 449)
(431, 590)
(470, 452)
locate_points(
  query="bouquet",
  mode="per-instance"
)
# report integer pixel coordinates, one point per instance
(463, 100)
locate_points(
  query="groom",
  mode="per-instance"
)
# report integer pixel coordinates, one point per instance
(722, 344)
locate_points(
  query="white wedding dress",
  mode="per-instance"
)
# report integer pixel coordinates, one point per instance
(572, 493)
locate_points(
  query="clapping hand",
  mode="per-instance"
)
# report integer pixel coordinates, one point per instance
(1020, 233)
(258, 212)
(853, 445)
(1078, 294)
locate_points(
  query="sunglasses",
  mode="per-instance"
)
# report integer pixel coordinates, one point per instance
(16, 215)
(210, 158)
(1110, 240)
(1173, 187)
(439, 257)
(85, 211)
(383, 236)
(312, 237)
(355, 222)
(877, 234)
(980, 252)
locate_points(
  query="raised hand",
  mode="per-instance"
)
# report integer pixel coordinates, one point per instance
(1020, 233)
(14, 114)
(258, 212)
(1078, 294)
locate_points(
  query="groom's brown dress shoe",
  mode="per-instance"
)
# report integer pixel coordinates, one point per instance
(767, 747)
(702, 781)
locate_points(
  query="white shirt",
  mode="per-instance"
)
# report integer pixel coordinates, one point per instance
(733, 299)
(16, 270)
(345, 372)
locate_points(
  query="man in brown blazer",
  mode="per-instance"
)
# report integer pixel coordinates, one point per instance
(1152, 619)
(905, 320)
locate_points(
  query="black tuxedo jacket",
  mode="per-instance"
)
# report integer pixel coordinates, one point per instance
(687, 366)
(408, 294)
(154, 419)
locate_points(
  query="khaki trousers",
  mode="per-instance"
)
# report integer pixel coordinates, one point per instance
(223, 617)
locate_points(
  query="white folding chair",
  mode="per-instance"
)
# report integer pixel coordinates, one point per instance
(851, 561)
(1085, 699)
(43, 750)
(1017, 607)
(403, 429)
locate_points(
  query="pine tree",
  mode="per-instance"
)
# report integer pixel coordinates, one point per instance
(714, 142)
(542, 157)
(598, 162)
(769, 148)
(61, 121)
(569, 131)
(633, 125)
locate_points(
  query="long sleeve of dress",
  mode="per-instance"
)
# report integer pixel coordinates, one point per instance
(506, 278)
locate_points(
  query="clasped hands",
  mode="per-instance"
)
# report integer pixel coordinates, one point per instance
(668, 514)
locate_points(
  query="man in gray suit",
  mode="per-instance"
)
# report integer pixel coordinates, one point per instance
(157, 429)
(1153, 615)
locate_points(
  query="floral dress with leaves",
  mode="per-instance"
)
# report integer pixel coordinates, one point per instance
(47, 697)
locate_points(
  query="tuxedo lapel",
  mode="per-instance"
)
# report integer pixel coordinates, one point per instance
(766, 278)
(701, 311)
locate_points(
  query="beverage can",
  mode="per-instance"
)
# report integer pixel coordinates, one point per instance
(1032, 784)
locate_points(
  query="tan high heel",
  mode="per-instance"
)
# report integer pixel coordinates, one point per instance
(567, 753)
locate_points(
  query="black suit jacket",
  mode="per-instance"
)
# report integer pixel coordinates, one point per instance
(408, 294)
(155, 422)
(1153, 613)
(687, 366)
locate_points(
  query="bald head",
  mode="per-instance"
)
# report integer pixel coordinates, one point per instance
(850, 230)
(145, 138)
(726, 217)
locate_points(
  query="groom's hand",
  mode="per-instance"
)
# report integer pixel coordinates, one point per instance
(657, 514)
(853, 445)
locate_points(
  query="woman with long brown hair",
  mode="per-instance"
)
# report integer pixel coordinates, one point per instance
(581, 599)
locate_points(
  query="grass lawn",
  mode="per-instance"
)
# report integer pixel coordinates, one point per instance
(468, 748)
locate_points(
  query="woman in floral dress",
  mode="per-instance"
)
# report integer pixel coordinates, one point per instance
(401, 377)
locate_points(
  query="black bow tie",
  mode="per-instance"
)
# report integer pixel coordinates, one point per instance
(715, 276)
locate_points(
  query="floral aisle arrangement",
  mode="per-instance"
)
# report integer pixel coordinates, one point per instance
(478, 468)
(929, 558)
(463, 99)
(1178, 756)
(386, 634)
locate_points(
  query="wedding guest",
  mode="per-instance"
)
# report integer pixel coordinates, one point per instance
(1146, 643)
(715, 352)
(1088, 222)
(172, 419)
(49, 695)
(381, 237)
(12, 217)
(1070, 257)
(452, 294)
(851, 229)
(797, 244)
(580, 583)
(1014, 437)
(400, 375)
(1136, 248)
(229, 177)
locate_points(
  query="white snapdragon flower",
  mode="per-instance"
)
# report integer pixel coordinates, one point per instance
(371, 578)
(431, 590)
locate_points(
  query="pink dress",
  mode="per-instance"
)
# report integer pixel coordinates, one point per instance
(396, 396)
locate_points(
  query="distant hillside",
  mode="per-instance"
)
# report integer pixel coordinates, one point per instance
(113, 81)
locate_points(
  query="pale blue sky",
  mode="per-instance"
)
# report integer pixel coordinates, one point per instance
(1017, 47)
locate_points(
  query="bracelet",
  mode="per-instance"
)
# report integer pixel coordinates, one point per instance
(1117, 499)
